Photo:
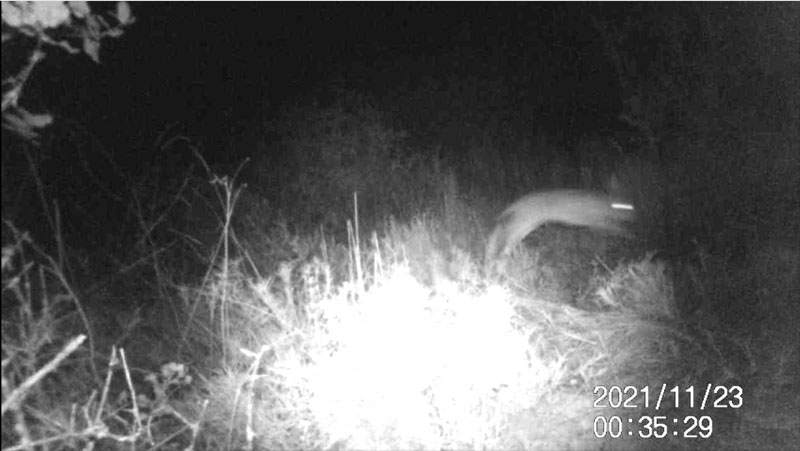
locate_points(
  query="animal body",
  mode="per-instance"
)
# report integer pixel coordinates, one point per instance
(574, 207)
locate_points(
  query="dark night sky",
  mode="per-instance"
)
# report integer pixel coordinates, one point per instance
(214, 66)
(439, 71)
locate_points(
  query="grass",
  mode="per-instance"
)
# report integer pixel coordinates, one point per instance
(398, 342)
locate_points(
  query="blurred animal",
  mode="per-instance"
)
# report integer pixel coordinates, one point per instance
(591, 209)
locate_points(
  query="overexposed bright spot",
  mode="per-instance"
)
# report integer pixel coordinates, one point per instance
(407, 362)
